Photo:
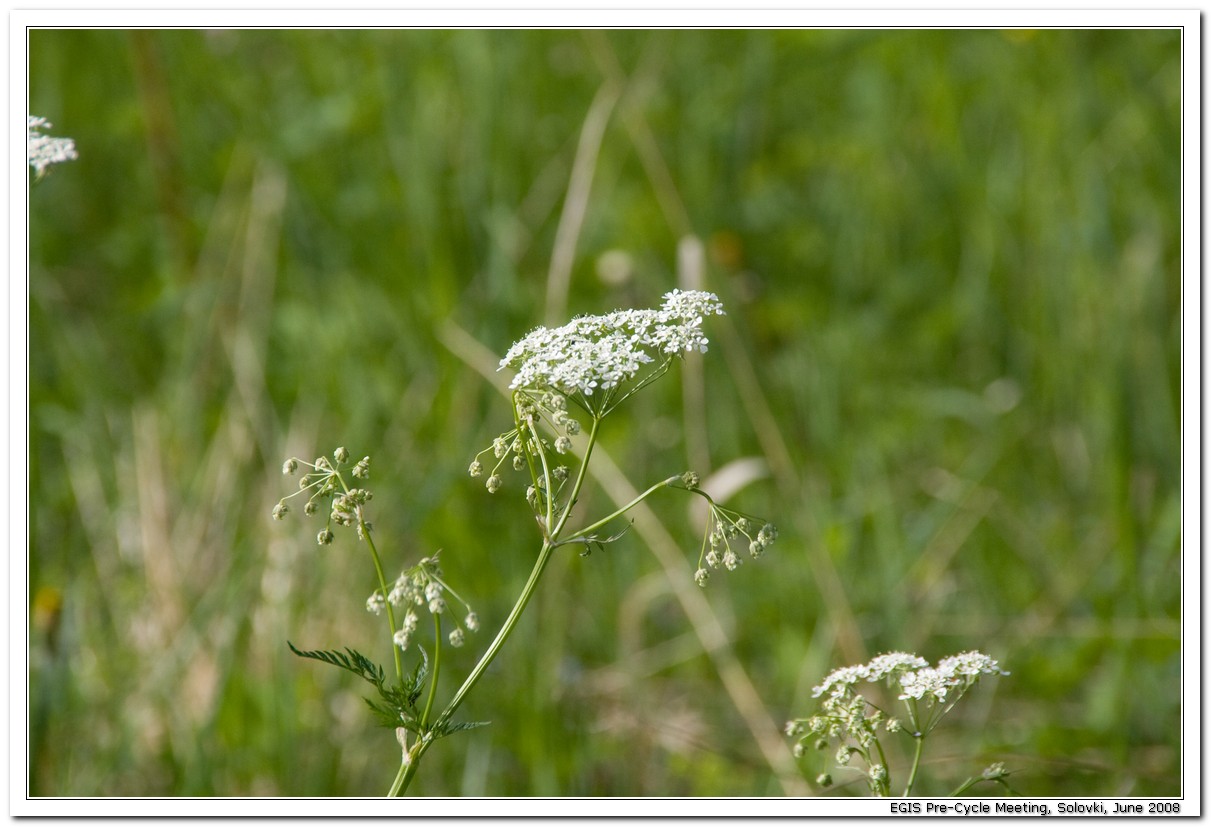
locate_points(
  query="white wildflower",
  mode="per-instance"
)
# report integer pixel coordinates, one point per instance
(970, 664)
(884, 665)
(840, 678)
(927, 681)
(43, 150)
(598, 353)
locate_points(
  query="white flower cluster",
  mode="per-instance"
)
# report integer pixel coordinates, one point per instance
(43, 150)
(957, 671)
(421, 586)
(915, 676)
(850, 718)
(601, 352)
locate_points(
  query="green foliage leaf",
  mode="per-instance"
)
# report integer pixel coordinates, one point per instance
(351, 660)
(451, 728)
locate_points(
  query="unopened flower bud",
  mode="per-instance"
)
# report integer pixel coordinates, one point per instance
(324, 538)
(290, 466)
(571, 426)
(310, 508)
(341, 455)
(995, 772)
(472, 621)
(456, 638)
(493, 483)
(280, 511)
(824, 780)
(476, 469)
(563, 445)
(701, 576)
(690, 479)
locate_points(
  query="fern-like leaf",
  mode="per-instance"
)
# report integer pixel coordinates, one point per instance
(451, 728)
(351, 661)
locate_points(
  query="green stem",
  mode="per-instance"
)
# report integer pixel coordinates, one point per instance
(965, 786)
(885, 784)
(547, 491)
(398, 784)
(584, 466)
(382, 584)
(916, 763)
(382, 581)
(413, 757)
(527, 592)
(409, 770)
(584, 531)
(437, 666)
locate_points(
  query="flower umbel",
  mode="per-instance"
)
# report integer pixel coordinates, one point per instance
(591, 358)
(422, 585)
(43, 150)
(854, 720)
(726, 530)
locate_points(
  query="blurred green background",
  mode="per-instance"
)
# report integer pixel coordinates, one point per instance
(951, 363)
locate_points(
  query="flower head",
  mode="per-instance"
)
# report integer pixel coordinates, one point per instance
(840, 679)
(43, 150)
(591, 356)
(884, 665)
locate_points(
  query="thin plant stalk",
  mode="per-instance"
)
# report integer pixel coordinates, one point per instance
(437, 665)
(382, 583)
(918, 747)
(412, 757)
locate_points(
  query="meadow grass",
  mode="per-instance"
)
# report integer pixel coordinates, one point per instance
(951, 363)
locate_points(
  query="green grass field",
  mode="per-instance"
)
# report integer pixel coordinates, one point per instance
(951, 363)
